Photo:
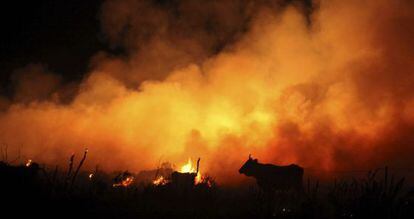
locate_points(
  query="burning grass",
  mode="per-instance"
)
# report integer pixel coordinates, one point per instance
(98, 194)
(187, 176)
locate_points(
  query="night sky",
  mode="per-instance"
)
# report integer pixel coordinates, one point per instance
(63, 35)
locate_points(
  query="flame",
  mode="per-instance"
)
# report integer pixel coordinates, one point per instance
(125, 183)
(160, 181)
(28, 163)
(291, 88)
(186, 168)
(90, 176)
(189, 168)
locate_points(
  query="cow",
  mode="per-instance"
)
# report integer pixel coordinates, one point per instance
(272, 177)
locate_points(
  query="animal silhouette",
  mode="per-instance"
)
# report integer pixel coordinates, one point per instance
(272, 177)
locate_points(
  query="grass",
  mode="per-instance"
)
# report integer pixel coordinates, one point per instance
(59, 193)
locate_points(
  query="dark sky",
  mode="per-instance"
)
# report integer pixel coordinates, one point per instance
(61, 34)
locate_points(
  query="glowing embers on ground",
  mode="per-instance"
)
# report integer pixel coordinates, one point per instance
(159, 181)
(123, 179)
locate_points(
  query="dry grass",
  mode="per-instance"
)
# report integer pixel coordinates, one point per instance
(377, 195)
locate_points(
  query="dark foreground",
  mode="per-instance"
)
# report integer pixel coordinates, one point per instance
(33, 191)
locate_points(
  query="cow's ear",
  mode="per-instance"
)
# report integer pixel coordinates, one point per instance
(255, 160)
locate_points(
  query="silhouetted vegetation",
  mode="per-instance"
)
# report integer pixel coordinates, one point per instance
(51, 192)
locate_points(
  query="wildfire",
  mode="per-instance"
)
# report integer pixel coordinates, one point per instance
(186, 168)
(189, 168)
(160, 181)
(123, 179)
(124, 183)
(28, 163)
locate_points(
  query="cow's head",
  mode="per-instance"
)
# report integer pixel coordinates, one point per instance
(248, 167)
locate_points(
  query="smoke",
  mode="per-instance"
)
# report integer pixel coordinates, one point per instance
(327, 85)
(34, 83)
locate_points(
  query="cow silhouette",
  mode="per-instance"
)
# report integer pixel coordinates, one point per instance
(272, 177)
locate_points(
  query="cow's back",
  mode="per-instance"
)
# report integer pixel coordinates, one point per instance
(280, 177)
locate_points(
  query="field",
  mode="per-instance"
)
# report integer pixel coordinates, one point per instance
(72, 193)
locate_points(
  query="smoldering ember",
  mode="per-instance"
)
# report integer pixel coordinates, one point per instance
(207, 109)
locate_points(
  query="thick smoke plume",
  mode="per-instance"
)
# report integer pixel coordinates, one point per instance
(328, 85)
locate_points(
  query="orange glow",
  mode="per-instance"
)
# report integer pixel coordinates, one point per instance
(125, 182)
(331, 90)
(28, 163)
(189, 168)
(159, 181)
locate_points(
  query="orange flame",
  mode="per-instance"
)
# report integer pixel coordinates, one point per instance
(291, 88)
(125, 183)
(28, 163)
(160, 181)
(189, 168)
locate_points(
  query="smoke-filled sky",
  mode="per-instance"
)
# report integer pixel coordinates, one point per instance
(326, 84)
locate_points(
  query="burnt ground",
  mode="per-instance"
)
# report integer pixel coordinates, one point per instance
(38, 192)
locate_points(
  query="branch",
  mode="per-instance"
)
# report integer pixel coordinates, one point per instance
(79, 166)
